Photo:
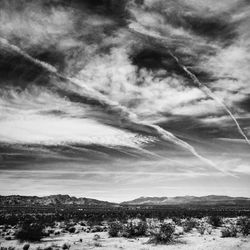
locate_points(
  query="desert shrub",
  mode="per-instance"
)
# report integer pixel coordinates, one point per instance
(45, 234)
(229, 231)
(83, 224)
(209, 230)
(188, 225)
(177, 221)
(164, 234)
(97, 244)
(48, 248)
(135, 228)
(178, 231)
(30, 232)
(94, 221)
(201, 229)
(71, 230)
(215, 221)
(51, 231)
(115, 228)
(97, 229)
(244, 225)
(26, 246)
(66, 246)
(96, 237)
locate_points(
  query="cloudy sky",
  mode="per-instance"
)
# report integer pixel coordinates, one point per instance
(119, 99)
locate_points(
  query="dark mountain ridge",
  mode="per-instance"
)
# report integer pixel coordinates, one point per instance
(51, 200)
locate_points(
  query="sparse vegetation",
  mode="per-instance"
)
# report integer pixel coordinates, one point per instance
(115, 228)
(66, 246)
(96, 237)
(189, 224)
(48, 248)
(26, 246)
(244, 225)
(209, 230)
(96, 229)
(229, 231)
(215, 221)
(135, 228)
(30, 232)
(71, 230)
(201, 229)
(153, 224)
(165, 234)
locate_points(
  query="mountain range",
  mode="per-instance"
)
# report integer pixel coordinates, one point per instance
(64, 200)
(52, 200)
(190, 200)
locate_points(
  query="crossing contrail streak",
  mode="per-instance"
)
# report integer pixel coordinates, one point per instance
(198, 84)
(127, 119)
(207, 91)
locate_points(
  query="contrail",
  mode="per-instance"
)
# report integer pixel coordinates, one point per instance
(197, 83)
(208, 92)
(127, 118)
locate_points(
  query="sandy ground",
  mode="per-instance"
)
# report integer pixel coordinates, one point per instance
(191, 241)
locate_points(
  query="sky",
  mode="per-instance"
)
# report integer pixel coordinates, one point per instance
(115, 100)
